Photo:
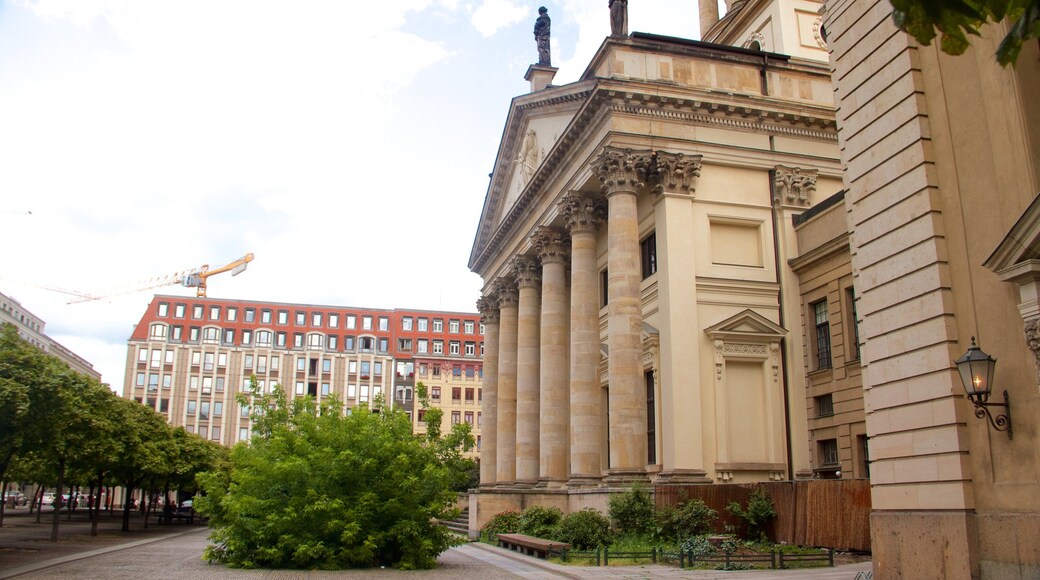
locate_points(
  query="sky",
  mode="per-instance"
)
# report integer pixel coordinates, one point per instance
(346, 144)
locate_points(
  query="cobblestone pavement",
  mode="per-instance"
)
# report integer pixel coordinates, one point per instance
(175, 551)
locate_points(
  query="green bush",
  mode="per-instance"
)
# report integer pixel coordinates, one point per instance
(760, 510)
(501, 523)
(632, 512)
(540, 521)
(691, 518)
(584, 530)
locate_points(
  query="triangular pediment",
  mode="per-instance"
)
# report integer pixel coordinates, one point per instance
(747, 325)
(1021, 244)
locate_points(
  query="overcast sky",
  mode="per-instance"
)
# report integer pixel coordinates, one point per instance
(346, 144)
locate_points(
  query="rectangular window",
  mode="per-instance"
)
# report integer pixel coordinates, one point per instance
(169, 357)
(229, 336)
(207, 385)
(247, 337)
(469, 396)
(193, 334)
(167, 381)
(250, 314)
(352, 367)
(283, 317)
(438, 347)
(384, 323)
(333, 320)
(265, 316)
(176, 335)
(823, 334)
(324, 389)
(423, 325)
(243, 411)
(214, 313)
(243, 433)
(455, 415)
(261, 363)
(280, 339)
(651, 420)
(456, 395)
(648, 255)
(218, 408)
(156, 359)
(207, 362)
(456, 370)
(178, 310)
(219, 386)
(435, 393)
(348, 343)
(232, 313)
(248, 362)
(222, 360)
(366, 323)
(301, 363)
(471, 349)
(333, 341)
(453, 326)
(299, 387)
(326, 365)
(404, 344)
(406, 323)
(153, 382)
(164, 405)
(196, 358)
(438, 325)
(351, 391)
(824, 405)
(469, 417)
(274, 363)
(164, 309)
(351, 322)
(384, 345)
(366, 368)
(142, 355)
(196, 312)
(316, 319)
(421, 346)
(468, 327)
(191, 407)
(829, 453)
(215, 433)
(453, 347)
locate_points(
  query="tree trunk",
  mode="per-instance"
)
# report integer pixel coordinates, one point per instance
(126, 506)
(57, 499)
(3, 504)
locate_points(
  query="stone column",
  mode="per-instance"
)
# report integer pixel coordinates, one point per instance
(584, 214)
(619, 171)
(488, 308)
(506, 416)
(528, 279)
(681, 418)
(554, 438)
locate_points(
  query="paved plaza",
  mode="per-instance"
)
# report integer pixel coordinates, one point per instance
(175, 551)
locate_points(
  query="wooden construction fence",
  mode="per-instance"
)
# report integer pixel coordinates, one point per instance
(824, 513)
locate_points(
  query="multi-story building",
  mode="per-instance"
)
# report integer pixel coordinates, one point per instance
(30, 328)
(188, 358)
(665, 181)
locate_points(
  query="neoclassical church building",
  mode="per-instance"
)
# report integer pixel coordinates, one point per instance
(643, 322)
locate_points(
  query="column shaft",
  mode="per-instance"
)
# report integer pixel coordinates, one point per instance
(554, 438)
(507, 337)
(489, 399)
(527, 370)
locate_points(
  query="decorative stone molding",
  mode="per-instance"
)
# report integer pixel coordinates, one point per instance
(528, 272)
(621, 169)
(1032, 328)
(488, 308)
(506, 292)
(552, 245)
(674, 172)
(583, 212)
(793, 185)
(753, 38)
(731, 348)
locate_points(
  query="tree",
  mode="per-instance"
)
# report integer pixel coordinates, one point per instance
(18, 364)
(316, 489)
(956, 20)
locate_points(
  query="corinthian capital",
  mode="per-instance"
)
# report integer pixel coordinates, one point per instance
(551, 245)
(488, 308)
(506, 292)
(528, 272)
(621, 169)
(793, 185)
(674, 172)
(583, 212)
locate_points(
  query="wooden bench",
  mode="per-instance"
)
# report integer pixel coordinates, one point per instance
(168, 517)
(531, 546)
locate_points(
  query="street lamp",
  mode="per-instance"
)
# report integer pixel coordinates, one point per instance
(976, 369)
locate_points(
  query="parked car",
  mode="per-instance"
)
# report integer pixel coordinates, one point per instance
(48, 498)
(15, 498)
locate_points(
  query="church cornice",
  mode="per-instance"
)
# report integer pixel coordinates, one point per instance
(649, 100)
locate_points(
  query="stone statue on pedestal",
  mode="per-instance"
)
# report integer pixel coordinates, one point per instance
(618, 17)
(541, 36)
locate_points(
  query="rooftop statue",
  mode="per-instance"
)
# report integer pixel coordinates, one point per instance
(541, 36)
(618, 17)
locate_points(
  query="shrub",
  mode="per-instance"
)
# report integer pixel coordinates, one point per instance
(691, 518)
(632, 512)
(584, 530)
(540, 521)
(501, 523)
(760, 510)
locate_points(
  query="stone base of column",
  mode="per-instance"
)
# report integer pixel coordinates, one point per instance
(526, 484)
(683, 476)
(551, 483)
(626, 476)
(580, 481)
(505, 484)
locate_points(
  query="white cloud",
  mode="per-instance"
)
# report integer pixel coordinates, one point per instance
(493, 15)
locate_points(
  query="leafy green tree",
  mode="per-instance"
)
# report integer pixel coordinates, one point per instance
(147, 441)
(956, 20)
(19, 362)
(584, 530)
(631, 513)
(450, 448)
(317, 489)
(760, 510)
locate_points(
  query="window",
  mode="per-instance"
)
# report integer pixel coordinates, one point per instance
(326, 365)
(214, 313)
(378, 368)
(469, 417)
(823, 334)
(453, 326)
(348, 343)
(864, 455)
(301, 363)
(366, 368)
(651, 420)
(456, 370)
(283, 317)
(229, 336)
(243, 411)
(215, 434)
(169, 357)
(274, 363)
(164, 309)
(156, 359)
(280, 339)
(435, 393)
(648, 255)
(471, 349)
(828, 453)
(366, 344)
(455, 415)
(191, 407)
(384, 345)
(470, 372)
(265, 316)
(142, 355)
(453, 347)
(196, 312)
(366, 323)
(211, 335)
(164, 405)
(481, 330)
(435, 370)
(468, 327)
(263, 338)
(301, 318)
(247, 337)
(178, 310)
(438, 325)
(222, 360)
(603, 283)
(250, 314)
(167, 381)
(423, 325)
(384, 323)
(315, 340)
(438, 347)
(207, 385)
(219, 387)
(153, 382)
(456, 395)
(469, 396)
(243, 433)
(331, 341)
(196, 358)
(351, 322)
(421, 346)
(324, 389)
(352, 367)
(218, 408)
(406, 323)
(157, 331)
(316, 319)
(177, 333)
(404, 344)
(824, 405)
(297, 340)
(232, 313)
(850, 298)
(261, 363)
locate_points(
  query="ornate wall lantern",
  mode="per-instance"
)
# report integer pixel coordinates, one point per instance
(976, 369)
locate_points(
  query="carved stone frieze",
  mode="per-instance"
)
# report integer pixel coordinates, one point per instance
(1032, 329)
(488, 307)
(621, 169)
(583, 212)
(793, 185)
(674, 172)
(527, 271)
(552, 245)
(745, 349)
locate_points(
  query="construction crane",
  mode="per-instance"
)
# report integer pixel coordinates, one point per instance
(192, 278)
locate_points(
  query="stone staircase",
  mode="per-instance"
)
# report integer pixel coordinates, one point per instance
(458, 525)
